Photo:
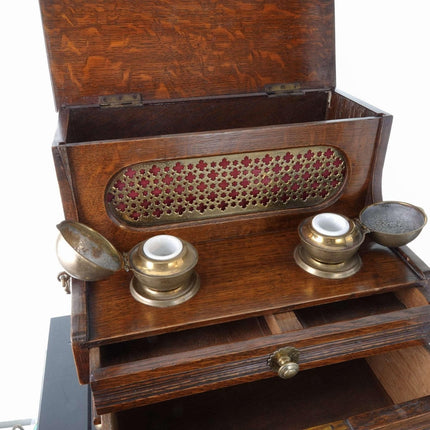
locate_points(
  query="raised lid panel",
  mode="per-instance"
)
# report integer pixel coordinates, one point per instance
(191, 48)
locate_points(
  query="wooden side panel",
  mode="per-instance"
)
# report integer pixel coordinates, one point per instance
(79, 330)
(405, 374)
(283, 322)
(65, 182)
(411, 366)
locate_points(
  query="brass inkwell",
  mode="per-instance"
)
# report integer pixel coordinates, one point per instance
(330, 242)
(162, 266)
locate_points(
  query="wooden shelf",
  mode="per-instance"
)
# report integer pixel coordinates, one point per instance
(240, 278)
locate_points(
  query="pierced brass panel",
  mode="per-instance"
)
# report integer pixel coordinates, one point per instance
(200, 188)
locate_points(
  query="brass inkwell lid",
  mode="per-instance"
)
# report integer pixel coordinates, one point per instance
(393, 223)
(85, 254)
(162, 266)
(330, 242)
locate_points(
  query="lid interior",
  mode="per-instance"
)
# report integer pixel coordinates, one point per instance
(392, 218)
(192, 48)
(91, 245)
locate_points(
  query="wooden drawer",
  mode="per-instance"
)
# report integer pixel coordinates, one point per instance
(172, 365)
(386, 391)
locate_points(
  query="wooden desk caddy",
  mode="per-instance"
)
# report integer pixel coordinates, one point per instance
(218, 122)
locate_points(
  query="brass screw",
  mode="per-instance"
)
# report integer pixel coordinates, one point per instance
(64, 278)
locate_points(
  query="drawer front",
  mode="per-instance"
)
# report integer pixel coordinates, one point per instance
(130, 384)
(345, 396)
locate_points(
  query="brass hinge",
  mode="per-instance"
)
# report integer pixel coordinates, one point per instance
(120, 100)
(281, 89)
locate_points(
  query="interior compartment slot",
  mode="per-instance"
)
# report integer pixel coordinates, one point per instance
(172, 366)
(173, 117)
(311, 398)
(348, 309)
(187, 340)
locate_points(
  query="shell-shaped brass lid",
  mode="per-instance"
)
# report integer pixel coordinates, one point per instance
(85, 254)
(393, 223)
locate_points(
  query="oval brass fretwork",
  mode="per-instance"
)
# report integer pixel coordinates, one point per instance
(285, 362)
(162, 192)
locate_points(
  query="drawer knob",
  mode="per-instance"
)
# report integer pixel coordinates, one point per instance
(284, 362)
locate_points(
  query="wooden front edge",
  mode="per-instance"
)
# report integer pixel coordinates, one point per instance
(78, 334)
(382, 137)
(158, 379)
(79, 327)
(65, 181)
(421, 269)
(414, 414)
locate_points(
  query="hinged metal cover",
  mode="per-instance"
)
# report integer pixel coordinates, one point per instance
(182, 49)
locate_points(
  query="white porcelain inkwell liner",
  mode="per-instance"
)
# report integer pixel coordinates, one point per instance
(162, 247)
(330, 224)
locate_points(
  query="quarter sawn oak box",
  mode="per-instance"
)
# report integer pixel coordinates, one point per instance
(219, 122)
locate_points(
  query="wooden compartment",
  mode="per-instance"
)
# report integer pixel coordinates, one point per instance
(385, 390)
(158, 368)
(187, 83)
(311, 398)
(220, 113)
(191, 200)
(346, 396)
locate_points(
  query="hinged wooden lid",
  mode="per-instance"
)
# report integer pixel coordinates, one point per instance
(188, 48)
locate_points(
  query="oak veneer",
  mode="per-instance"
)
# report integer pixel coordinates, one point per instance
(185, 49)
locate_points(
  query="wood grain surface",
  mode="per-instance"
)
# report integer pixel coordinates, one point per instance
(238, 284)
(157, 379)
(311, 398)
(412, 415)
(93, 164)
(191, 48)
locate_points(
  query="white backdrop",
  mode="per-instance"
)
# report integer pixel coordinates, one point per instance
(382, 58)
